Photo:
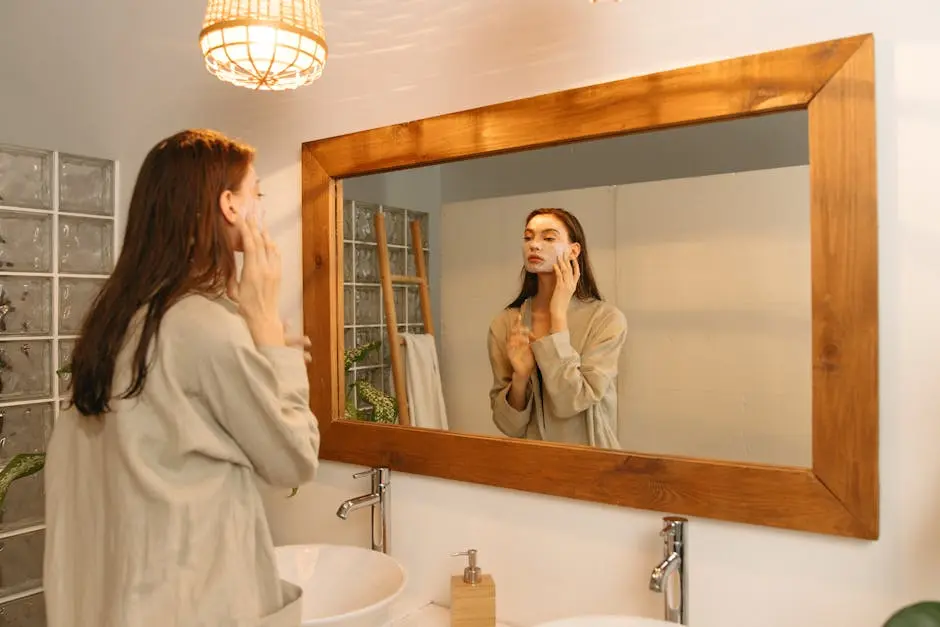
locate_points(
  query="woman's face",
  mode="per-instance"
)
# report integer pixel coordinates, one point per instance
(545, 240)
(241, 205)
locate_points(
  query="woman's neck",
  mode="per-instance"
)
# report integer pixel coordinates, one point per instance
(546, 288)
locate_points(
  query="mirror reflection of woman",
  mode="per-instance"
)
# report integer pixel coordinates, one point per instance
(554, 350)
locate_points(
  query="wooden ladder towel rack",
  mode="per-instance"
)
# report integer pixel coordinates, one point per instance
(395, 343)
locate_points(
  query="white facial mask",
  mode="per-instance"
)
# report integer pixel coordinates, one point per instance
(550, 254)
(561, 251)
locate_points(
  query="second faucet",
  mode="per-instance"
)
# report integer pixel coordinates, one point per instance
(675, 541)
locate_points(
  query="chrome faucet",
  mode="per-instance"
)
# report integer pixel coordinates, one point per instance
(675, 542)
(378, 500)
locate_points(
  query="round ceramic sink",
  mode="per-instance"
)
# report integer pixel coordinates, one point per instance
(344, 586)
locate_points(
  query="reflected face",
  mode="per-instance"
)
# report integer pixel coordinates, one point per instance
(545, 240)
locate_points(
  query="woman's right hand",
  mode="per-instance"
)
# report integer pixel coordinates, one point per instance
(519, 349)
(257, 291)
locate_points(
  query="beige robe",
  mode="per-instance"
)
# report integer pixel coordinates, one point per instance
(576, 400)
(153, 515)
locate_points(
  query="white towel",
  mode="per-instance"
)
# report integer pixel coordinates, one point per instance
(423, 377)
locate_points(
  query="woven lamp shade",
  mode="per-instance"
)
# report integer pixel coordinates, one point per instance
(268, 45)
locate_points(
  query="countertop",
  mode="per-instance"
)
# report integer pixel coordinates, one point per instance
(412, 613)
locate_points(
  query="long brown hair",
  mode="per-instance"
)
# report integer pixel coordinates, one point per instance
(174, 244)
(587, 286)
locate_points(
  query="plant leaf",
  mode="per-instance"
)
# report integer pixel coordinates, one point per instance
(922, 614)
(22, 465)
(385, 409)
(357, 354)
(293, 492)
(353, 412)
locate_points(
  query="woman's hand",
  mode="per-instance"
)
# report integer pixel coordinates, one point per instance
(257, 291)
(519, 349)
(567, 275)
(299, 341)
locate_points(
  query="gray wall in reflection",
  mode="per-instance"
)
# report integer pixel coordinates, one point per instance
(759, 143)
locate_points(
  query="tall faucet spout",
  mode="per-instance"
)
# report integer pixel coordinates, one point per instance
(663, 570)
(359, 502)
(675, 562)
(378, 500)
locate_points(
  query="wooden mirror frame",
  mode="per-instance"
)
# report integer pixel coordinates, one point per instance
(839, 495)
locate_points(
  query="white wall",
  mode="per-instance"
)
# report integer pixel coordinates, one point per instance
(713, 275)
(74, 77)
(105, 79)
(553, 556)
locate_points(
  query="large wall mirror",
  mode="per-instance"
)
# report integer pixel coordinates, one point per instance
(659, 292)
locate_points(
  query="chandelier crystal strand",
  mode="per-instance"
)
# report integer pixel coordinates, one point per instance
(267, 45)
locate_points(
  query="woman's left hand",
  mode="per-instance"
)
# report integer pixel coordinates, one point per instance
(567, 274)
(302, 343)
(298, 341)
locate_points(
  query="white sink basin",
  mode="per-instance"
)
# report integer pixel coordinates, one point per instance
(344, 586)
(606, 621)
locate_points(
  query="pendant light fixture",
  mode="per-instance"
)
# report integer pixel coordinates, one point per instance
(267, 45)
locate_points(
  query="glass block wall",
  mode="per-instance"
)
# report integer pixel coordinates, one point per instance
(56, 248)
(364, 315)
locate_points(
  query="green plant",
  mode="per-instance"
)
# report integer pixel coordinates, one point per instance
(921, 614)
(384, 407)
(22, 465)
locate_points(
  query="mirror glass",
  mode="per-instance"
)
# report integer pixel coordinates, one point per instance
(647, 293)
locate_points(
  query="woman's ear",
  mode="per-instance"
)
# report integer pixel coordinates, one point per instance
(576, 250)
(227, 206)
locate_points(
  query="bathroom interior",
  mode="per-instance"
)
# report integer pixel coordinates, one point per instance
(755, 183)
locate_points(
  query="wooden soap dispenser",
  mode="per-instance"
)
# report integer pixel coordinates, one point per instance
(472, 596)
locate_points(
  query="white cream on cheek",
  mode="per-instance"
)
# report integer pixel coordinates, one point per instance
(547, 241)
(553, 254)
(561, 251)
(550, 253)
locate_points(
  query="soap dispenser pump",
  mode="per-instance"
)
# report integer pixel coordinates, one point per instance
(472, 595)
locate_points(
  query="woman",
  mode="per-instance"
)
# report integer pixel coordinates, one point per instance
(554, 349)
(183, 390)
